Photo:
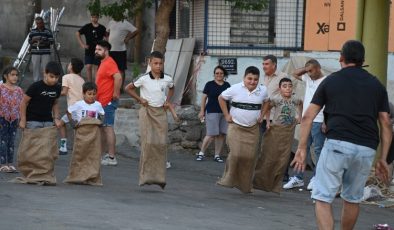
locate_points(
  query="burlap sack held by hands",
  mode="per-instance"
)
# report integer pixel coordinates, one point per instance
(240, 163)
(153, 130)
(37, 154)
(274, 158)
(86, 155)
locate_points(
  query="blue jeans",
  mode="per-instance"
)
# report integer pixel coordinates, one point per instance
(7, 139)
(316, 137)
(342, 163)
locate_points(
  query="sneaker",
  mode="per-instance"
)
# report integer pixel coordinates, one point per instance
(311, 183)
(106, 160)
(294, 182)
(168, 164)
(218, 159)
(63, 148)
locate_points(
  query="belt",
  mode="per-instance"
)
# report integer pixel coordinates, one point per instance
(246, 106)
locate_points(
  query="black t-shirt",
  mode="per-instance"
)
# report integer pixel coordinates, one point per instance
(42, 99)
(213, 90)
(92, 36)
(353, 99)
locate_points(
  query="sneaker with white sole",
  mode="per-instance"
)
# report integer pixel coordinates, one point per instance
(311, 183)
(63, 147)
(106, 160)
(294, 182)
(168, 165)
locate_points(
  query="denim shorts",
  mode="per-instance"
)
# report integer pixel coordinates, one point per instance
(109, 110)
(215, 124)
(38, 124)
(342, 163)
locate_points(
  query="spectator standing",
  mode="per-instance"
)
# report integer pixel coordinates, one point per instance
(312, 76)
(93, 33)
(108, 82)
(120, 33)
(40, 39)
(216, 124)
(11, 97)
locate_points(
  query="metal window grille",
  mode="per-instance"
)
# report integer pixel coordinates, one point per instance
(234, 32)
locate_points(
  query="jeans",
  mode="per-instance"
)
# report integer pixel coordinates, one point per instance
(316, 137)
(342, 163)
(7, 139)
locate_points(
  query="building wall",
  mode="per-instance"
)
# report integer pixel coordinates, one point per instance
(327, 60)
(16, 16)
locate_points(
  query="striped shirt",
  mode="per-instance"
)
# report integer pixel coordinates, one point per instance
(45, 39)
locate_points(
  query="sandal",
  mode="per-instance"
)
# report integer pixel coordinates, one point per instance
(5, 169)
(12, 169)
(199, 157)
(218, 159)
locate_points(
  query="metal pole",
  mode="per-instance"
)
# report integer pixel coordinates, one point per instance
(375, 37)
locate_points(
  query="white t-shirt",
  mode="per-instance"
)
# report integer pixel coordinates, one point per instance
(239, 93)
(117, 34)
(154, 90)
(82, 109)
(74, 84)
(310, 89)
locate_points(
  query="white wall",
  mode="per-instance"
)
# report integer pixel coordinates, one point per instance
(328, 60)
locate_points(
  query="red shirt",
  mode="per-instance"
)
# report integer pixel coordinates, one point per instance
(105, 80)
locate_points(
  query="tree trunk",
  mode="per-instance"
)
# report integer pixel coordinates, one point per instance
(162, 23)
(138, 39)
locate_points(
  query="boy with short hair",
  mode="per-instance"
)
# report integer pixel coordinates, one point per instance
(88, 107)
(39, 111)
(246, 99)
(86, 156)
(278, 139)
(72, 88)
(40, 107)
(153, 120)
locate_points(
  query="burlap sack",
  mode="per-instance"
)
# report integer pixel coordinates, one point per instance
(37, 154)
(86, 156)
(274, 158)
(241, 160)
(153, 130)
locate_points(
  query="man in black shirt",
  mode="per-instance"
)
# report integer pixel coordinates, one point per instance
(354, 100)
(93, 32)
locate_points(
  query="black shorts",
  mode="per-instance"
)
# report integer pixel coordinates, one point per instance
(120, 57)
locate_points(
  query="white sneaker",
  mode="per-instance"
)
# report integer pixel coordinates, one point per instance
(106, 160)
(294, 182)
(63, 149)
(168, 164)
(311, 183)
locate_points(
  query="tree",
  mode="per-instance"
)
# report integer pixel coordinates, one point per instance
(122, 9)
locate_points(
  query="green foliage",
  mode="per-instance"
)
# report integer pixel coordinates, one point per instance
(249, 4)
(118, 10)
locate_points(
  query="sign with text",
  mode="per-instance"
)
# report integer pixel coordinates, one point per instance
(343, 21)
(229, 64)
(317, 25)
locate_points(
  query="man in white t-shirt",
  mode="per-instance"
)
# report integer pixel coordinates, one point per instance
(120, 33)
(312, 76)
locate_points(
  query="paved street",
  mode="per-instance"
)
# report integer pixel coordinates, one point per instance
(191, 200)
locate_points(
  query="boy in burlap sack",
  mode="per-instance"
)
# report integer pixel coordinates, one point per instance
(278, 139)
(243, 129)
(86, 156)
(153, 120)
(39, 111)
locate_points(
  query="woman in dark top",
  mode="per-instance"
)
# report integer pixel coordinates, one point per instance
(216, 125)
